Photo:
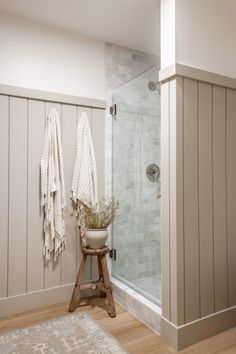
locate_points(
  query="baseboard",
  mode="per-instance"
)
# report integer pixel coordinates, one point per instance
(30, 301)
(180, 337)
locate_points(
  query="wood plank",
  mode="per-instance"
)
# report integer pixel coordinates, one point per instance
(176, 202)
(206, 199)
(53, 268)
(69, 123)
(35, 264)
(98, 135)
(191, 239)
(165, 203)
(4, 151)
(17, 197)
(219, 192)
(231, 192)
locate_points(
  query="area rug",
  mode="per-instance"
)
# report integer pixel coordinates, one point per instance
(78, 334)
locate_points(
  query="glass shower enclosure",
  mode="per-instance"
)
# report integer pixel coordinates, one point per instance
(136, 234)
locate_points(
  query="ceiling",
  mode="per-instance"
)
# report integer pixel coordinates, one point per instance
(131, 23)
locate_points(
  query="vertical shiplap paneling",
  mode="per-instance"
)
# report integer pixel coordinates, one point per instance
(17, 197)
(165, 202)
(98, 135)
(219, 193)
(35, 265)
(191, 238)
(53, 268)
(205, 199)
(231, 192)
(88, 267)
(4, 141)
(176, 201)
(69, 120)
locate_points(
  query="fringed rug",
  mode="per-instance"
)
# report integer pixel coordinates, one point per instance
(78, 334)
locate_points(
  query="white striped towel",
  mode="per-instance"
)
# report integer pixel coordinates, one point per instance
(84, 183)
(53, 199)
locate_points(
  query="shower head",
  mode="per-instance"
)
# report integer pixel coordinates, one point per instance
(152, 85)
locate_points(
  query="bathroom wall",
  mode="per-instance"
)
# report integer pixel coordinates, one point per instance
(198, 203)
(40, 57)
(124, 64)
(136, 232)
(200, 34)
(26, 281)
(198, 165)
(121, 65)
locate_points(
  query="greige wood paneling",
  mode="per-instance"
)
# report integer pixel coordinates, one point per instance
(165, 185)
(53, 270)
(22, 266)
(219, 193)
(4, 150)
(201, 192)
(69, 123)
(98, 134)
(231, 192)
(176, 202)
(17, 197)
(88, 266)
(191, 237)
(206, 245)
(36, 125)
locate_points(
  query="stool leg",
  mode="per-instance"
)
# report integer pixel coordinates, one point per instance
(73, 301)
(102, 294)
(107, 283)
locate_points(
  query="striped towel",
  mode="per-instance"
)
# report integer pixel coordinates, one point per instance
(84, 183)
(53, 199)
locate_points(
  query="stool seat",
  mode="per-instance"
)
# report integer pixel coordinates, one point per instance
(103, 283)
(95, 251)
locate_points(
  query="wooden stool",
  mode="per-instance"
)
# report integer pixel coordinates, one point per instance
(103, 283)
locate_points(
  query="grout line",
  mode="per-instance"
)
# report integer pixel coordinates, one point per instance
(44, 261)
(184, 293)
(27, 192)
(226, 192)
(213, 210)
(62, 254)
(8, 192)
(198, 207)
(169, 198)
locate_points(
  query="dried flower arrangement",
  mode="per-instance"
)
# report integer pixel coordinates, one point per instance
(99, 218)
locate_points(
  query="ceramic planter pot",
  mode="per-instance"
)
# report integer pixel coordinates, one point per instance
(96, 238)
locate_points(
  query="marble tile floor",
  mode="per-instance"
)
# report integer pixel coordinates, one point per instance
(150, 287)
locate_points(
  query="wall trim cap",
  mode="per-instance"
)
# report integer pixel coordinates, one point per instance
(196, 74)
(51, 96)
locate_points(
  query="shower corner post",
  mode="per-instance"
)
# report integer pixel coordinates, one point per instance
(172, 209)
(195, 296)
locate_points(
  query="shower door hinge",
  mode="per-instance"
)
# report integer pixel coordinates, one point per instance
(112, 253)
(113, 110)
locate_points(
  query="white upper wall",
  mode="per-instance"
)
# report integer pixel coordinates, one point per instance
(205, 35)
(167, 32)
(131, 23)
(43, 58)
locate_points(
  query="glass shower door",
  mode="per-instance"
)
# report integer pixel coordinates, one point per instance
(136, 184)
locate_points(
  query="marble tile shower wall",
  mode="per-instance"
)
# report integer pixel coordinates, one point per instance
(137, 230)
(121, 65)
(136, 136)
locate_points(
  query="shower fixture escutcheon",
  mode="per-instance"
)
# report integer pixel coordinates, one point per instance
(153, 172)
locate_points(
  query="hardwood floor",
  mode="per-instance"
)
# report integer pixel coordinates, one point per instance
(133, 334)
